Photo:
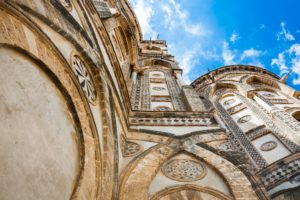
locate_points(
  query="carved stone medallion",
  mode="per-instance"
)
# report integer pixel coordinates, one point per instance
(268, 146)
(129, 148)
(84, 78)
(184, 170)
(244, 119)
(158, 88)
(156, 75)
(229, 102)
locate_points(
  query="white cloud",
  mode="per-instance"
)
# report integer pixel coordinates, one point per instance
(248, 56)
(289, 60)
(176, 17)
(227, 54)
(234, 37)
(144, 11)
(294, 53)
(262, 26)
(295, 48)
(168, 15)
(187, 61)
(284, 34)
(280, 62)
(251, 53)
(256, 63)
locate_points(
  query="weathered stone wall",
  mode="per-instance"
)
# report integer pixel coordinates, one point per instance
(255, 109)
(90, 111)
(38, 140)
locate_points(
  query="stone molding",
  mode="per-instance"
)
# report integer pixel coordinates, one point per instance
(172, 121)
(208, 190)
(280, 171)
(269, 122)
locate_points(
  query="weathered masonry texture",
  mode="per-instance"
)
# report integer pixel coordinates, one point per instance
(89, 110)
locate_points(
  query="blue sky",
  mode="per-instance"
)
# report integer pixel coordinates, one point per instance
(207, 34)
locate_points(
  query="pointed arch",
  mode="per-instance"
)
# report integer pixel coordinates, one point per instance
(141, 171)
(23, 35)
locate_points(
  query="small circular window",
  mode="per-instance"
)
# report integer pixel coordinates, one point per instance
(244, 119)
(268, 146)
(84, 78)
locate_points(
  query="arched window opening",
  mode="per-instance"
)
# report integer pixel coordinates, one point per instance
(296, 115)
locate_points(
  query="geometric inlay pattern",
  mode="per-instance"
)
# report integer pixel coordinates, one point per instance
(129, 148)
(268, 146)
(184, 170)
(282, 173)
(172, 121)
(84, 78)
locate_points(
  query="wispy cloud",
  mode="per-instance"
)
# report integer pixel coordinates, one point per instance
(176, 17)
(262, 26)
(284, 34)
(294, 53)
(289, 59)
(256, 63)
(249, 56)
(280, 62)
(192, 41)
(188, 60)
(172, 17)
(227, 54)
(234, 37)
(144, 11)
(251, 53)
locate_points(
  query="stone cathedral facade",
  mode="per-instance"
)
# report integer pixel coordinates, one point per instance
(89, 110)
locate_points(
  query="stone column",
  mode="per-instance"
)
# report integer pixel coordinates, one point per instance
(134, 75)
(286, 121)
(240, 139)
(281, 132)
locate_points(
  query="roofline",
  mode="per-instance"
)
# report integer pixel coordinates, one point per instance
(239, 66)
